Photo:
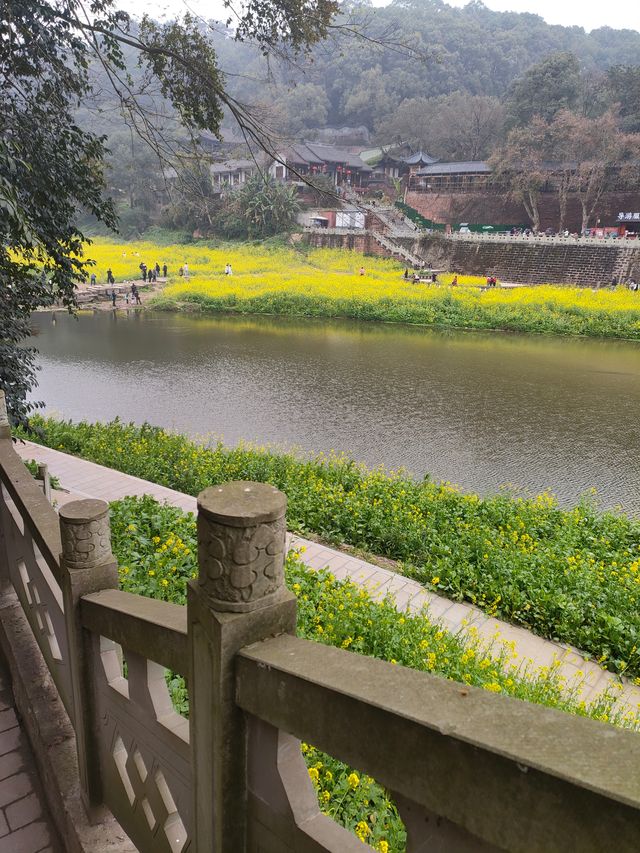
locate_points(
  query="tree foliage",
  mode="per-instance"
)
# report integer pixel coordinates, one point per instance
(545, 89)
(261, 208)
(50, 168)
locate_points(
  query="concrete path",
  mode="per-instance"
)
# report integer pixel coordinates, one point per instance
(25, 825)
(86, 479)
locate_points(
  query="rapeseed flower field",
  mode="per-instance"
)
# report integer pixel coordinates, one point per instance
(275, 279)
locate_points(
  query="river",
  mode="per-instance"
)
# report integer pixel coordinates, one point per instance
(478, 409)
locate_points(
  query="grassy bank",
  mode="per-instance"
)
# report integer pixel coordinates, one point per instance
(274, 279)
(156, 550)
(570, 575)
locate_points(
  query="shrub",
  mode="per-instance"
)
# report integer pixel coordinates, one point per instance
(570, 575)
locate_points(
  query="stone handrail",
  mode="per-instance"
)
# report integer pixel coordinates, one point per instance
(631, 243)
(31, 506)
(154, 629)
(468, 770)
(488, 765)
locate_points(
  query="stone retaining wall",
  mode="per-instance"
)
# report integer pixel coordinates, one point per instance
(530, 263)
(533, 263)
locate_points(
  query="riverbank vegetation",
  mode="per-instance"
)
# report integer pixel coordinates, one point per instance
(569, 575)
(156, 549)
(276, 279)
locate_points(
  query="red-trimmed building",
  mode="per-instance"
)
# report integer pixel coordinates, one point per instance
(310, 158)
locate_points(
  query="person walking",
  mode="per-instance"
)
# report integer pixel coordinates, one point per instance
(113, 298)
(164, 270)
(144, 273)
(157, 270)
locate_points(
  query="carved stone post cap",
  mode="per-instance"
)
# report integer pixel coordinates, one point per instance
(85, 534)
(242, 503)
(84, 511)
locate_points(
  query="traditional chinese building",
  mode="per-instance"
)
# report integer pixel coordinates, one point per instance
(232, 173)
(449, 177)
(311, 158)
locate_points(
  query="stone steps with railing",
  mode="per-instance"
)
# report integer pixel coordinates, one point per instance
(397, 250)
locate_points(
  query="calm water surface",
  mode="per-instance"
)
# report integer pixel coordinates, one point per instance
(481, 410)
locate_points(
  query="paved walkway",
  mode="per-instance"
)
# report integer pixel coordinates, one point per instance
(86, 479)
(25, 826)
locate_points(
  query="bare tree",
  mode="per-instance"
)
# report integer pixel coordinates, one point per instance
(598, 150)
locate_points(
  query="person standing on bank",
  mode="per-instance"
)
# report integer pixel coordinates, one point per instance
(113, 298)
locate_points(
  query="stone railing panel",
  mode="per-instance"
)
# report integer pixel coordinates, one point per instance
(39, 594)
(30, 504)
(143, 747)
(283, 813)
(142, 742)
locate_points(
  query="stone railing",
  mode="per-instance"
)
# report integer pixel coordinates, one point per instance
(542, 239)
(468, 770)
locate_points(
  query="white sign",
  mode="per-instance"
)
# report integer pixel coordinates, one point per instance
(629, 217)
(349, 219)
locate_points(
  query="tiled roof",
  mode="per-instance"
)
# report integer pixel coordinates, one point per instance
(314, 154)
(419, 157)
(230, 166)
(475, 167)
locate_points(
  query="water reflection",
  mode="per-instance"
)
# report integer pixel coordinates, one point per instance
(478, 409)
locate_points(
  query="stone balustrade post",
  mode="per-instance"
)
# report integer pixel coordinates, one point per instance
(5, 426)
(5, 433)
(44, 477)
(87, 565)
(239, 598)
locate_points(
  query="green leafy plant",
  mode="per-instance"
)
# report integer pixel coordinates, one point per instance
(32, 467)
(156, 549)
(570, 575)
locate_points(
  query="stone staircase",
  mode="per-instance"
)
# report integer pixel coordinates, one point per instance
(396, 250)
(396, 224)
(627, 264)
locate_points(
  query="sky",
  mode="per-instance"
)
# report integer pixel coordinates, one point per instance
(589, 14)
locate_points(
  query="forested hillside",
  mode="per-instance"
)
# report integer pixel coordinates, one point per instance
(454, 82)
(417, 49)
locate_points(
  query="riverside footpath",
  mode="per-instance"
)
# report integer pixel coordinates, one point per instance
(82, 479)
